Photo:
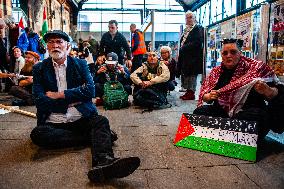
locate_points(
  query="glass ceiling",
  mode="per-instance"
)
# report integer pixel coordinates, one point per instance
(169, 15)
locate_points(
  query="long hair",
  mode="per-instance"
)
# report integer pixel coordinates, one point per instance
(28, 67)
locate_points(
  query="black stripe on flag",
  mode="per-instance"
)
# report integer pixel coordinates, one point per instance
(222, 123)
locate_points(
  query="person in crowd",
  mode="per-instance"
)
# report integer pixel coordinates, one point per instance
(24, 89)
(153, 75)
(239, 87)
(66, 117)
(34, 42)
(4, 56)
(190, 59)
(88, 57)
(114, 41)
(167, 59)
(23, 41)
(111, 71)
(81, 49)
(138, 47)
(94, 47)
(17, 60)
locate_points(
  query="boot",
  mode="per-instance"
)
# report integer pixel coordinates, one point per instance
(110, 168)
(189, 95)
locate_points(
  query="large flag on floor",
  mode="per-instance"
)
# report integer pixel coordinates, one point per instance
(223, 136)
(44, 27)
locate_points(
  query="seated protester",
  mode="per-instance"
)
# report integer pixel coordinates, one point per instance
(167, 59)
(99, 62)
(151, 80)
(111, 71)
(18, 61)
(24, 89)
(238, 89)
(16, 64)
(66, 117)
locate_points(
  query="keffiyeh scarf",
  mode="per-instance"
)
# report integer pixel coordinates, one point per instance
(233, 95)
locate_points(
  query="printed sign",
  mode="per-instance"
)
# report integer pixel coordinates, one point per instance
(223, 136)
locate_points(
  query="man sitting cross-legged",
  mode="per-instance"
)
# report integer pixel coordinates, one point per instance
(63, 89)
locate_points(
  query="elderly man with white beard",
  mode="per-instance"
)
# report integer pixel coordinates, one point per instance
(66, 117)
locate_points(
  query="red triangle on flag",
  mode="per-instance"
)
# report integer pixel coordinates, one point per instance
(21, 23)
(184, 129)
(44, 14)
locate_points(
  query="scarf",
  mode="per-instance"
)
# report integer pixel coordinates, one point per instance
(233, 95)
(187, 30)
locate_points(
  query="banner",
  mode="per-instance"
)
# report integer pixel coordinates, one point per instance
(244, 30)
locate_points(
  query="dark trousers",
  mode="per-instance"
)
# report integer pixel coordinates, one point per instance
(99, 88)
(260, 115)
(22, 93)
(94, 131)
(136, 62)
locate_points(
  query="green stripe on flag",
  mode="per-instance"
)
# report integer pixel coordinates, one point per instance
(219, 147)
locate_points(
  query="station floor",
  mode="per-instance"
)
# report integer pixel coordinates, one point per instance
(148, 135)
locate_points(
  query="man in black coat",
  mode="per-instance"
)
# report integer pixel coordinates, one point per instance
(190, 61)
(114, 41)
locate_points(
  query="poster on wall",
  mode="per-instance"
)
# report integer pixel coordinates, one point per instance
(228, 29)
(244, 30)
(278, 25)
(276, 58)
(212, 38)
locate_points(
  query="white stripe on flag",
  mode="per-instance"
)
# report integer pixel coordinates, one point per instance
(225, 135)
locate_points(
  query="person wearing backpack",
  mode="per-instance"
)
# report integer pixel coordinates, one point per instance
(151, 82)
(111, 71)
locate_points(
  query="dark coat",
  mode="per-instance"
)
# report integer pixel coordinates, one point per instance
(80, 88)
(117, 45)
(190, 60)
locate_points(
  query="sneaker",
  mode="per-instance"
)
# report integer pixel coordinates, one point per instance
(114, 168)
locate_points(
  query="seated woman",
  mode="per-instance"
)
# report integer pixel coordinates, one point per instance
(24, 89)
(167, 59)
(110, 71)
(239, 87)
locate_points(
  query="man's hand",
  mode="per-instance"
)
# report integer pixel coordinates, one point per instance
(128, 64)
(262, 88)
(121, 69)
(55, 95)
(101, 70)
(146, 84)
(212, 95)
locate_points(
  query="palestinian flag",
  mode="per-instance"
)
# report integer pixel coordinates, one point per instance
(223, 136)
(44, 27)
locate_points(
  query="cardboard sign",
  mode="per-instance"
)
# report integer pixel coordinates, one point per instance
(223, 136)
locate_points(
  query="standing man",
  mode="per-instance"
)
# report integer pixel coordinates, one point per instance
(138, 47)
(63, 89)
(114, 41)
(190, 60)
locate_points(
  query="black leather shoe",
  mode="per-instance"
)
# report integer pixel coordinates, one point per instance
(113, 168)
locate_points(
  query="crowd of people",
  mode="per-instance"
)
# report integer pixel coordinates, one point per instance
(67, 86)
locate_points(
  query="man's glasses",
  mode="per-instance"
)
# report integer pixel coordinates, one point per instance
(232, 52)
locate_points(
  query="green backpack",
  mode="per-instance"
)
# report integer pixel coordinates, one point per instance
(115, 97)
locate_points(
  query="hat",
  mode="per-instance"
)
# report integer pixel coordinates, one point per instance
(34, 54)
(56, 33)
(111, 58)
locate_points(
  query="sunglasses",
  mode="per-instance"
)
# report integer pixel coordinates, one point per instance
(232, 52)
